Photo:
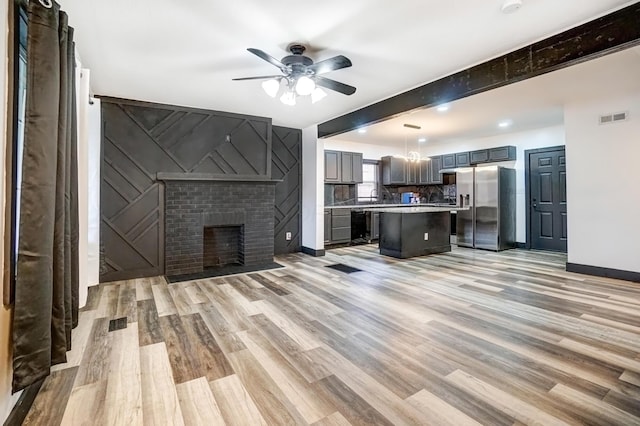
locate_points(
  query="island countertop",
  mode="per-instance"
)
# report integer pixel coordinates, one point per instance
(417, 209)
(377, 207)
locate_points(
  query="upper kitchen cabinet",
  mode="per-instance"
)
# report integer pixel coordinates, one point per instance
(459, 159)
(449, 161)
(436, 166)
(351, 167)
(342, 167)
(502, 153)
(332, 165)
(394, 170)
(399, 171)
(462, 159)
(430, 170)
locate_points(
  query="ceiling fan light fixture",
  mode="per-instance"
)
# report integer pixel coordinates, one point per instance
(288, 98)
(271, 87)
(317, 95)
(305, 86)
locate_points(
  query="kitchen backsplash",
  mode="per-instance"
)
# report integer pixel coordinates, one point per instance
(335, 195)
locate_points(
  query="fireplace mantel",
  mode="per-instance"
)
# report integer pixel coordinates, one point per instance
(203, 177)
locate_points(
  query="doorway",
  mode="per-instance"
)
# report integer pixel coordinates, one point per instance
(546, 195)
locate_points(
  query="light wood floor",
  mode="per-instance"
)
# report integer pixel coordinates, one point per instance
(462, 338)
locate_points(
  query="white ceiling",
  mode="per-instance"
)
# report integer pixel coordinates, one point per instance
(187, 52)
(534, 103)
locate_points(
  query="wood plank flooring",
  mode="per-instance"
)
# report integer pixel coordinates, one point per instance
(462, 338)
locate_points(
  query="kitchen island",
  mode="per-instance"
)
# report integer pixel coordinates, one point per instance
(415, 231)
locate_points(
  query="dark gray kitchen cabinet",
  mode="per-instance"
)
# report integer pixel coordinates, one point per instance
(342, 167)
(436, 166)
(340, 225)
(462, 159)
(375, 226)
(425, 171)
(327, 225)
(449, 161)
(357, 167)
(332, 166)
(479, 156)
(413, 172)
(351, 167)
(503, 153)
(398, 171)
(490, 155)
(394, 170)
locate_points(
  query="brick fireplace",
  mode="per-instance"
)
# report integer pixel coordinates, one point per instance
(210, 223)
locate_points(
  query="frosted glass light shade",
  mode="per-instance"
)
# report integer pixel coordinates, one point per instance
(271, 87)
(305, 86)
(288, 98)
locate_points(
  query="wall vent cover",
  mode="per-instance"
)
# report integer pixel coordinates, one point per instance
(611, 118)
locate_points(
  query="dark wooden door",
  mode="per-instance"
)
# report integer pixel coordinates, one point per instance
(548, 200)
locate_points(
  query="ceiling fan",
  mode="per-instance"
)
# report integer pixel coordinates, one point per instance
(301, 75)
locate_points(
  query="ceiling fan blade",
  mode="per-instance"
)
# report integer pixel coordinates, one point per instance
(273, 61)
(261, 77)
(331, 64)
(327, 83)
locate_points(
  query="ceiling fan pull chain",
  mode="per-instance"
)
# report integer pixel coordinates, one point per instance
(46, 3)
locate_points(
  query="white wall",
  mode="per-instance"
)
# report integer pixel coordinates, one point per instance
(93, 141)
(369, 151)
(530, 139)
(312, 189)
(603, 183)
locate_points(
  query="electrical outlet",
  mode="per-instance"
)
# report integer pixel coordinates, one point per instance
(426, 236)
(288, 236)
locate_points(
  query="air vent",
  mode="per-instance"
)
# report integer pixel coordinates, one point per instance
(611, 118)
(118, 324)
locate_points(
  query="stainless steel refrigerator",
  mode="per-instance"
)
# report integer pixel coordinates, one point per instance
(490, 193)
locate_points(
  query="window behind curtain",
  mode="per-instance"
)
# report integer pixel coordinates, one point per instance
(20, 94)
(368, 189)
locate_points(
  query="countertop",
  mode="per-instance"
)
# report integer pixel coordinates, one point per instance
(419, 209)
(387, 206)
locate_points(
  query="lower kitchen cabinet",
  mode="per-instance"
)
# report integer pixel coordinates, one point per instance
(375, 225)
(337, 226)
(327, 225)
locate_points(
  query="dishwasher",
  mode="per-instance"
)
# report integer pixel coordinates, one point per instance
(358, 227)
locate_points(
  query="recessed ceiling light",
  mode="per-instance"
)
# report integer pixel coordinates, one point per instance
(422, 140)
(362, 130)
(504, 124)
(443, 108)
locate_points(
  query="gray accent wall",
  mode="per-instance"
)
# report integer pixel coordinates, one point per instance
(287, 166)
(141, 139)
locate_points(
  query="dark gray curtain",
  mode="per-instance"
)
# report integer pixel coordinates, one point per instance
(46, 293)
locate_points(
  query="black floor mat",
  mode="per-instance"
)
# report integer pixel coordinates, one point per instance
(222, 271)
(344, 268)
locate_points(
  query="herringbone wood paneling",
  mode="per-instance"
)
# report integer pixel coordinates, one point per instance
(287, 165)
(139, 140)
